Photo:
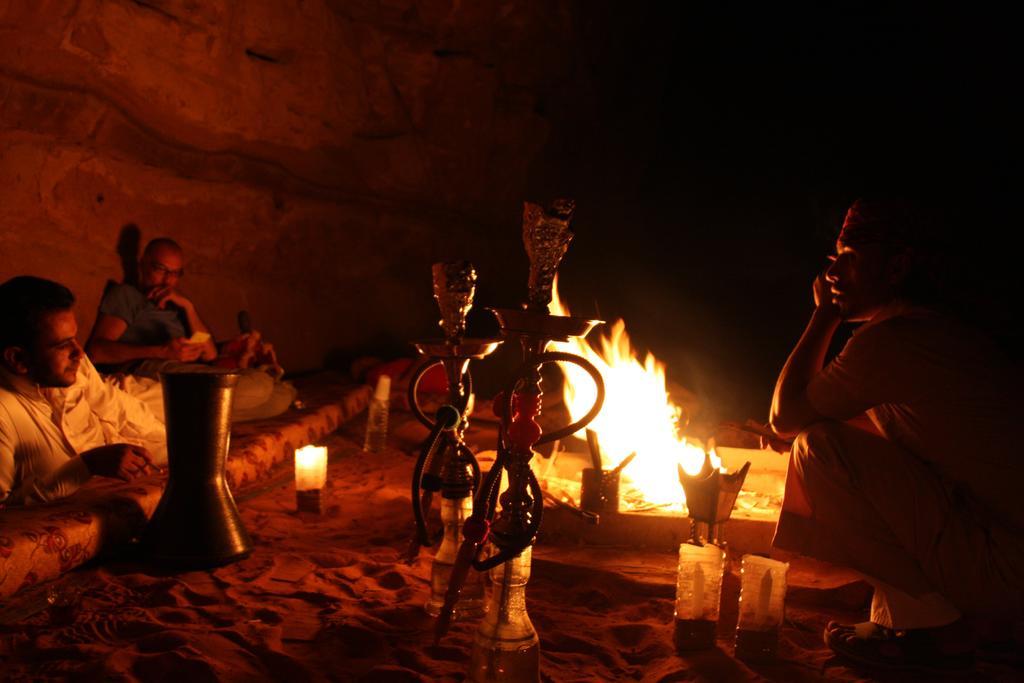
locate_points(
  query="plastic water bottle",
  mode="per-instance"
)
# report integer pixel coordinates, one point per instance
(377, 418)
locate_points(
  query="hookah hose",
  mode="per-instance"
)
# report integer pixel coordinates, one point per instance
(447, 418)
(460, 402)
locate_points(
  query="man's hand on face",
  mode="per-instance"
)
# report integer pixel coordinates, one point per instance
(180, 350)
(119, 461)
(161, 296)
(822, 289)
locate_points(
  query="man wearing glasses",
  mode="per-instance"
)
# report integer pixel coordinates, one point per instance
(141, 330)
(138, 327)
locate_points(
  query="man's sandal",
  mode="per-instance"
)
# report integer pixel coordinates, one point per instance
(879, 647)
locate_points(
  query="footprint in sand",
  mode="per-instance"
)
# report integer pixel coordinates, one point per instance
(161, 642)
(393, 674)
(353, 641)
(563, 642)
(195, 598)
(173, 616)
(369, 568)
(161, 594)
(171, 666)
(333, 560)
(391, 580)
(402, 618)
(592, 600)
(631, 635)
(268, 616)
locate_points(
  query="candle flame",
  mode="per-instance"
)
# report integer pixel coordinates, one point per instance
(310, 467)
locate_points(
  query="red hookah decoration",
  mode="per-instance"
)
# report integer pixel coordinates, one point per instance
(524, 431)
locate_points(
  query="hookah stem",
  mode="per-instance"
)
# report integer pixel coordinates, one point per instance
(515, 543)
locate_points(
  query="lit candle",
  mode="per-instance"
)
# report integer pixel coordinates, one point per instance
(310, 468)
(310, 477)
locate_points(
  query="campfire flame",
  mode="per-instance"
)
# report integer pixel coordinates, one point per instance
(638, 415)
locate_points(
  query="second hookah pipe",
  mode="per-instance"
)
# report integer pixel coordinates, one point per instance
(446, 464)
(546, 236)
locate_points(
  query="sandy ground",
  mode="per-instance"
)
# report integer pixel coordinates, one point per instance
(329, 598)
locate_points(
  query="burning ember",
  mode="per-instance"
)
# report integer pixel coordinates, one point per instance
(638, 415)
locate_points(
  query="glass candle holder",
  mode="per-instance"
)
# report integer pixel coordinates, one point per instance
(762, 607)
(698, 594)
(310, 478)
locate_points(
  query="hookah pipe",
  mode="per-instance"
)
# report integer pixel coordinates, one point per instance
(445, 463)
(546, 237)
(522, 503)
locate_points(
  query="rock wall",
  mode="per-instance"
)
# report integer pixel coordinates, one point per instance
(313, 157)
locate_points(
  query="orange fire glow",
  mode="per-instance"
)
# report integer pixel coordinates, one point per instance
(638, 415)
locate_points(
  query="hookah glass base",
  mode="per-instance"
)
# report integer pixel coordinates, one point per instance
(492, 665)
(471, 602)
(506, 647)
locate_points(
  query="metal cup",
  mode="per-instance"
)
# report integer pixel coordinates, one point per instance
(196, 524)
(600, 490)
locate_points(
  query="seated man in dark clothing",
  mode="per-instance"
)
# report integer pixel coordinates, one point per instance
(927, 505)
(142, 330)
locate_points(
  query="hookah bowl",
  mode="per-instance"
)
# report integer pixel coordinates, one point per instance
(446, 465)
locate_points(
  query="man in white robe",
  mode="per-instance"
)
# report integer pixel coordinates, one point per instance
(60, 424)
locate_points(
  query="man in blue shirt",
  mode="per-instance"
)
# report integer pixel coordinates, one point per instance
(141, 330)
(150, 322)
